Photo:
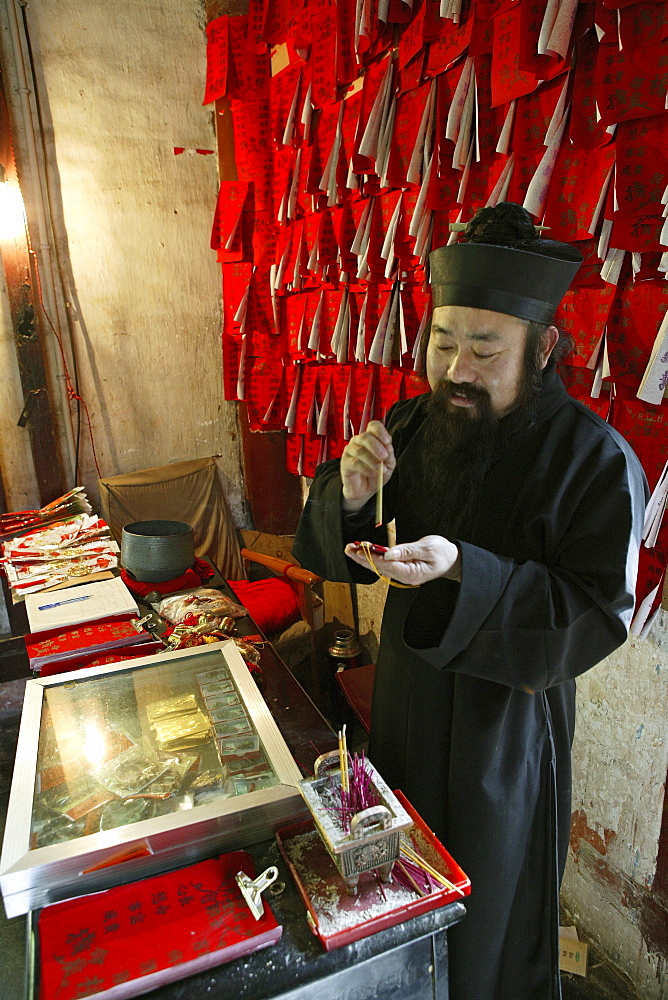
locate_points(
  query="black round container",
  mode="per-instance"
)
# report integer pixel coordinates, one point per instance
(155, 551)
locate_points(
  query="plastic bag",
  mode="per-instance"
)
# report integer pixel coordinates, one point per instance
(198, 602)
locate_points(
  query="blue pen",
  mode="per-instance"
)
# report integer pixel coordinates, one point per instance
(72, 600)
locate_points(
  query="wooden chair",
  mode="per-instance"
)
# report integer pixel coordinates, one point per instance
(357, 687)
(192, 492)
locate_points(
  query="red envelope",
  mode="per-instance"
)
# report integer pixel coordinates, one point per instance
(363, 387)
(294, 444)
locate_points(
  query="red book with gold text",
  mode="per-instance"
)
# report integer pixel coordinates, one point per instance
(134, 938)
(70, 642)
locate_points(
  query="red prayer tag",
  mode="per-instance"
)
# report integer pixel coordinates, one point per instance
(445, 50)
(584, 127)
(389, 385)
(293, 449)
(410, 108)
(323, 51)
(412, 41)
(509, 81)
(631, 84)
(217, 54)
(633, 323)
(645, 427)
(252, 152)
(414, 385)
(577, 182)
(583, 314)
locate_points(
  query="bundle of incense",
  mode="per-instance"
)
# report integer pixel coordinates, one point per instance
(410, 855)
(359, 792)
(61, 509)
(379, 496)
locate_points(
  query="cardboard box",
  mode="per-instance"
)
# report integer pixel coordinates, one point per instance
(572, 952)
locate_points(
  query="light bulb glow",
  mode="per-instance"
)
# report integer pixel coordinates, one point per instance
(12, 213)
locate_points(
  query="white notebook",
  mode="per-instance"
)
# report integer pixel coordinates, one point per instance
(79, 604)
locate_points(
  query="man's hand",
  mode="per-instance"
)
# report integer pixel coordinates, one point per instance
(430, 558)
(360, 463)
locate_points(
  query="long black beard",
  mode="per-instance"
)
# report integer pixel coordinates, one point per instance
(460, 444)
(463, 441)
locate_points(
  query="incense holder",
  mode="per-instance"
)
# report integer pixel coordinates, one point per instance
(373, 841)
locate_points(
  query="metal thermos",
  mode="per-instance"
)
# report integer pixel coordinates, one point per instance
(345, 651)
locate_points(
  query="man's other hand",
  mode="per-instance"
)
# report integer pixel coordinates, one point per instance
(430, 558)
(360, 463)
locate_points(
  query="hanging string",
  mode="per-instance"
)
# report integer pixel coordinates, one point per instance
(393, 583)
(71, 392)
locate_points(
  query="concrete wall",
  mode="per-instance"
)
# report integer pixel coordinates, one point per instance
(122, 86)
(620, 759)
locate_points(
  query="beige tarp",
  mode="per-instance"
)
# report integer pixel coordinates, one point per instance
(185, 491)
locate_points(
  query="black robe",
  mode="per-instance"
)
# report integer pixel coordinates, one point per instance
(474, 697)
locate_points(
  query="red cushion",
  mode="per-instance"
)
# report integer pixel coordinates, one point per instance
(272, 603)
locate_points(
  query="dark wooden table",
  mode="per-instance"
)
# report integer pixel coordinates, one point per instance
(405, 962)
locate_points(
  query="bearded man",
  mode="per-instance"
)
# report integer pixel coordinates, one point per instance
(519, 517)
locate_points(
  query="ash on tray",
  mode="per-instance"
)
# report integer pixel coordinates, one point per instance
(334, 909)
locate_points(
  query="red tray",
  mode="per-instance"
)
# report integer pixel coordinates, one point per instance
(338, 918)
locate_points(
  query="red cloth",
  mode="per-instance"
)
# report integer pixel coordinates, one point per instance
(198, 574)
(272, 603)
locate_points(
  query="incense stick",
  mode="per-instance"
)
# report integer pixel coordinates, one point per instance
(410, 878)
(379, 495)
(419, 860)
(344, 773)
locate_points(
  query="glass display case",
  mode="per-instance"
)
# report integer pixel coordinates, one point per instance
(126, 770)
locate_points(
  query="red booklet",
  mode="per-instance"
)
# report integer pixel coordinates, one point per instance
(134, 938)
(96, 637)
(91, 658)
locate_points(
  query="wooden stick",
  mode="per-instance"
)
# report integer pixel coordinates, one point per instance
(379, 495)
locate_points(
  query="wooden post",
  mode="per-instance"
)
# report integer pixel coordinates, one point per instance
(23, 293)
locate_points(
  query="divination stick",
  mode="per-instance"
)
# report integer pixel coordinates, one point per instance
(379, 496)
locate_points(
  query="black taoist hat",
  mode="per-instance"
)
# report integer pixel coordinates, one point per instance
(528, 281)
